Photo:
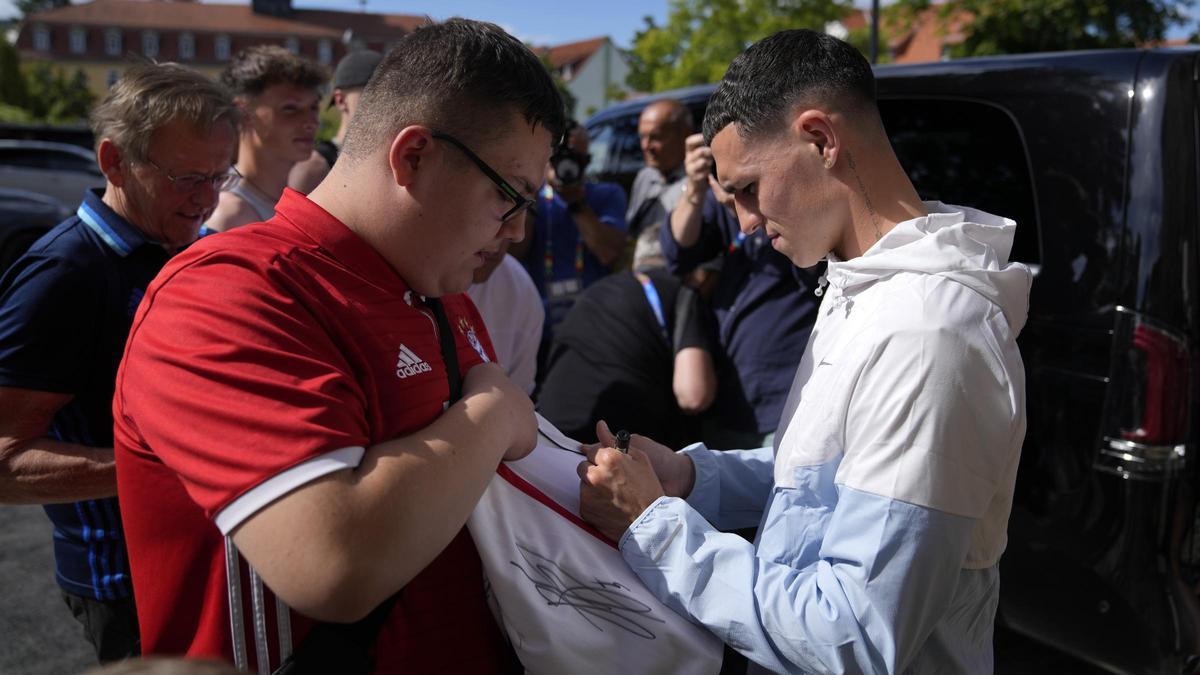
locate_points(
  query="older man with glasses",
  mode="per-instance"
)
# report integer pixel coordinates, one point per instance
(165, 139)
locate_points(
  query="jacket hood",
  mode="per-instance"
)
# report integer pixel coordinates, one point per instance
(962, 244)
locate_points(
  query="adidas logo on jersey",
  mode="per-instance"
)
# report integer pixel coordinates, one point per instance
(409, 363)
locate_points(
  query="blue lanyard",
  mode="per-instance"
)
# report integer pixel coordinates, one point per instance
(655, 302)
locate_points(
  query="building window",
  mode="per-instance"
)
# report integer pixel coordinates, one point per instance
(78, 40)
(292, 45)
(221, 48)
(113, 76)
(41, 38)
(187, 46)
(325, 52)
(150, 43)
(112, 42)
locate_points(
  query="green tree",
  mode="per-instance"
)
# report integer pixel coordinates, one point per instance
(701, 37)
(329, 121)
(12, 81)
(56, 96)
(28, 7)
(1018, 26)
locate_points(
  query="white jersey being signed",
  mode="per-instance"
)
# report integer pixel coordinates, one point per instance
(563, 593)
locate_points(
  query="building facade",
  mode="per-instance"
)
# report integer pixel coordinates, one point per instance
(103, 37)
(594, 72)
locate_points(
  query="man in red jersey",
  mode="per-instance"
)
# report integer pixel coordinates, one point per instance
(292, 452)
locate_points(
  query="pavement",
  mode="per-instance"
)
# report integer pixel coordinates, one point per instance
(38, 636)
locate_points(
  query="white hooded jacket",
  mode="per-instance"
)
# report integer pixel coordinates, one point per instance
(883, 508)
(917, 378)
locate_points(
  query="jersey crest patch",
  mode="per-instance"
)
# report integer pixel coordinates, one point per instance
(468, 332)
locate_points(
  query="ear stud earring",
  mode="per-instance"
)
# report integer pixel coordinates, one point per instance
(829, 163)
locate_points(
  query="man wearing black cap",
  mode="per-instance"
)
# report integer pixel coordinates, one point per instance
(351, 76)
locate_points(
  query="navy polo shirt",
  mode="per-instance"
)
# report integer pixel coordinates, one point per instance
(66, 307)
(765, 311)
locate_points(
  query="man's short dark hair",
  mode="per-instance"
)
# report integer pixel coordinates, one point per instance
(252, 70)
(788, 68)
(461, 77)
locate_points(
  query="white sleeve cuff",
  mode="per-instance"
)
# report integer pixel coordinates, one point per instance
(280, 484)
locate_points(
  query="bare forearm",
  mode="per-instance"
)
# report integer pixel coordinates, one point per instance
(694, 380)
(605, 242)
(686, 221)
(379, 525)
(443, 471)
(47, 471)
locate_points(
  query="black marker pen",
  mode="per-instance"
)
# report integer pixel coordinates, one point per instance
(623, 441)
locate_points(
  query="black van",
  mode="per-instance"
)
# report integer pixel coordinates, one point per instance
(1095, 155)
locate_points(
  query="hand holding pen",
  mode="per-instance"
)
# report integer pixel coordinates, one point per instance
(674, 471)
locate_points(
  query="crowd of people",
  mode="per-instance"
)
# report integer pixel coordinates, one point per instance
(260, 381)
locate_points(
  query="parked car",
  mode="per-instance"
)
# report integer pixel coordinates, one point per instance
(59, 170)
(24, 217)
(1095, 155)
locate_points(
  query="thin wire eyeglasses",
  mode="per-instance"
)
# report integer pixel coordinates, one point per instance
(520, 202)
(193, 181)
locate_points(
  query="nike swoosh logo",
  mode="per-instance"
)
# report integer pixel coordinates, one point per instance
(824, 363)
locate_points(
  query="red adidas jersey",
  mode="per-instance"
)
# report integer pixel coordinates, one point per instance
(256, 351)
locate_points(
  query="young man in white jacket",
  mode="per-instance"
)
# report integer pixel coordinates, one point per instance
(883, 507)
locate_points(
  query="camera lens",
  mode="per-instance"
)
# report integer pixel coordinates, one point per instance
(568, 170)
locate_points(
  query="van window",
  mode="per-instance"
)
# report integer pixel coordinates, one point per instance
(600, 148)
(628, 150)
(616, 153)
(970, 154)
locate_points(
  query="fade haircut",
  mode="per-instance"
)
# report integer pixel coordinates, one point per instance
(789, 68)
(150, 96)
(254, 69)
(461, 77)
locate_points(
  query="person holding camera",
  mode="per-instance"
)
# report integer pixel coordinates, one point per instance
(578, 232)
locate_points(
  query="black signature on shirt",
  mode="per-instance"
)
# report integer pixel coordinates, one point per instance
(597, 601)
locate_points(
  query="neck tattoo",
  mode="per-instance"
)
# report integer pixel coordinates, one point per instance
(865, 195)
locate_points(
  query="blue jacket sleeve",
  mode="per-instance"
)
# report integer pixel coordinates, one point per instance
(681, 260)
(732, 486)
(865, 601)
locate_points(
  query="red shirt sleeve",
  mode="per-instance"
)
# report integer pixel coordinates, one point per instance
(228, 394)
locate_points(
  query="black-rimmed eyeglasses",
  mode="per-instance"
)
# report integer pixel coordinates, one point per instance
(520, 203)
(192, 181)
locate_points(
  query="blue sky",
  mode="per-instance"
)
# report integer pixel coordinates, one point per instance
(536, 21)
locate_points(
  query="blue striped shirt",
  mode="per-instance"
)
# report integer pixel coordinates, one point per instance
(65, 311)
